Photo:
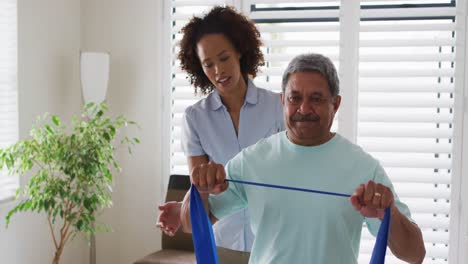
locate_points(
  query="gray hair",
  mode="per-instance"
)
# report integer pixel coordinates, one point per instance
(313, 62)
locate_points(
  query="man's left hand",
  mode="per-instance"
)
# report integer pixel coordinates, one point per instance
(371, 199)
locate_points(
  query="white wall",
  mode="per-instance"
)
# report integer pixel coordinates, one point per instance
(130, 31)
(49, 43)
(51, 34)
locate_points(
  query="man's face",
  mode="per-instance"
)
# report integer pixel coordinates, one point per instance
(309, 108)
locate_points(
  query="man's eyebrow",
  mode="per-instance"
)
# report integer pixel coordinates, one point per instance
(317, 93)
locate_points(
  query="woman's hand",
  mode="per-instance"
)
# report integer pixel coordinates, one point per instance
(169, 218)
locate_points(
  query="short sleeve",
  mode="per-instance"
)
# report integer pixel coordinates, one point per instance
(373, 224)
(234, 198)
(190, 140)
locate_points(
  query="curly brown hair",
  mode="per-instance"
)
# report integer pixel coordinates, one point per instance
(237, 28)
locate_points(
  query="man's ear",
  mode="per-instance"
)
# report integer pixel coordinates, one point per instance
(282, 98)
(336, 103)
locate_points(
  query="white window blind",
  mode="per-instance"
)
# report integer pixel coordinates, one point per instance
(404, 114)
(182, 93)
(406, 89)
(8, 89)
(286, 32)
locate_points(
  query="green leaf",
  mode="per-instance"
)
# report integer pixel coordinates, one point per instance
(56, 120)
(104, 107)
(112, 129)
(9, 162)
(87, 204)
(49, 129)
(10, 214)
(89, 105)
(71, 217)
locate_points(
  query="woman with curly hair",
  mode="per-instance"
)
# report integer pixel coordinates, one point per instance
(220, 52)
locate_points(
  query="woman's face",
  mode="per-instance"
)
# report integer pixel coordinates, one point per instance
(220, 62)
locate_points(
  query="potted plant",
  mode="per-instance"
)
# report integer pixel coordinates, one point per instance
(72, 171)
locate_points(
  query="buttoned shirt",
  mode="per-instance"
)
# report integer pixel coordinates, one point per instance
(207, 129)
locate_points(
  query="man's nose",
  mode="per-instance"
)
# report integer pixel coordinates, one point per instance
(306, 107)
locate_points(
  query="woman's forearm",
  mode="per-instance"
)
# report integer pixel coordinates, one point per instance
(185, 211)
(185, 214)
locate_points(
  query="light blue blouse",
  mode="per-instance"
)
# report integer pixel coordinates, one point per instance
(207, 129)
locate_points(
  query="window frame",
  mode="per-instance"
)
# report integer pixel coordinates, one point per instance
(458, 252)
(459, 210)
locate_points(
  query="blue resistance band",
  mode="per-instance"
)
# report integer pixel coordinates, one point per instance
(202, 232)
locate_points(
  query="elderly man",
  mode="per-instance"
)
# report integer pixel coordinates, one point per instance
(297, 227)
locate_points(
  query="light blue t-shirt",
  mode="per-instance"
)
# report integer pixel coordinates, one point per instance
(207, 129)
(299, 227)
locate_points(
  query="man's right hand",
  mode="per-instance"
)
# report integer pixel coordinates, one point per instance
(209, 178)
